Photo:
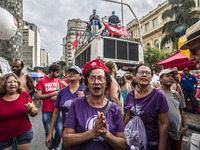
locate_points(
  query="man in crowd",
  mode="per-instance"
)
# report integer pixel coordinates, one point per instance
(187, 82)
(47, 90)
(113, 20)
(193, 43)
(155, 79)
(25, 79)
(176, 116)
(95, 21)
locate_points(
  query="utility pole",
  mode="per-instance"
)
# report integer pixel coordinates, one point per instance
(122, 11)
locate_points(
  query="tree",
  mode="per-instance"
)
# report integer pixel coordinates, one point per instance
(7, 57)
(61, 63)
(154, 55)
(183, 17)
(44, 69)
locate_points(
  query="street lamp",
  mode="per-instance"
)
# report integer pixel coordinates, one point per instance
(133, 14)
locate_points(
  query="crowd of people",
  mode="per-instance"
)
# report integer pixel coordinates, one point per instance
(98, 106)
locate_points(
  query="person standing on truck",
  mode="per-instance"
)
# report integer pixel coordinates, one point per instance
(113, 20)
(94, 21)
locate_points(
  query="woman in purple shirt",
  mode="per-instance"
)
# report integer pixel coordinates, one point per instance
(86, 126)
(151, 106)
(65, 98)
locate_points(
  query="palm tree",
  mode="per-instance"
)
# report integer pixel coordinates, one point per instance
(182, 17)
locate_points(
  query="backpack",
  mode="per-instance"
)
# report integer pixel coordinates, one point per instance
(135, 130)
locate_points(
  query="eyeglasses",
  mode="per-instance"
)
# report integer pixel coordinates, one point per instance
(142, 72)
(100, 79)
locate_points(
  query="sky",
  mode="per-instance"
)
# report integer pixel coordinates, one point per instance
(51, 17)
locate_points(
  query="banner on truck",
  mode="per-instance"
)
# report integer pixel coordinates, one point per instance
(116, 30)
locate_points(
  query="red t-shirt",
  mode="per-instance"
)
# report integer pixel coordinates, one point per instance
(47, 85)
(14, 118)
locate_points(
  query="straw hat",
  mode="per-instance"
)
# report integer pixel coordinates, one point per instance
(192, 33)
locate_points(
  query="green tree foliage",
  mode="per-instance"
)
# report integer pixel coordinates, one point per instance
(61, 63)
(44, 69)
(7, 57)
(181, 13)
(154, 55)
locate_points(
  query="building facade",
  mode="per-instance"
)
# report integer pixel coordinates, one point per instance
(36, 52)
(73, 26)
(13, 46)
(152, 25)
(44, 59)
(28, 47)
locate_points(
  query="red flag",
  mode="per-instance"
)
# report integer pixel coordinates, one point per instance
(116, 30)
(75, 42)
(39, 71)
(63, 72)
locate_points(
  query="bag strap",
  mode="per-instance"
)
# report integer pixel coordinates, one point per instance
(107, 108)
(84, 147)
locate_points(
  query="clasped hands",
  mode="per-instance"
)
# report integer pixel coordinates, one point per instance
(100, 127)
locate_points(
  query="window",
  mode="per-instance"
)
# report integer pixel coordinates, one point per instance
(147, 27)
(155, 22)
(156, 44)
(148, 45)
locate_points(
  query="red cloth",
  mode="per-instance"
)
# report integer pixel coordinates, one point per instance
(177, 60)
(14, 118)
(66, 81)
(39, 71)
(94, 64)
(47, 86)
(75, 42)
(116, 30)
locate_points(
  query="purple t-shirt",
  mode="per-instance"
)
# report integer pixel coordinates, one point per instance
(156, 103)
(65, 99)
(82, 116)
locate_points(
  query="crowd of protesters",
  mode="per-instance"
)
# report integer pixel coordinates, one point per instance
(95, 113)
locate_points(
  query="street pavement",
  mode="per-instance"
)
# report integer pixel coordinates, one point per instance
(38, 142)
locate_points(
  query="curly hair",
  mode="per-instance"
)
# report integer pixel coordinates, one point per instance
(3, 83)
(107, 75)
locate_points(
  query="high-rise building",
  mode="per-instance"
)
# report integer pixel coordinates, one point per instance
(13, 46)
(44, 59)
(73, 26)
(36, 53)
(28, 47)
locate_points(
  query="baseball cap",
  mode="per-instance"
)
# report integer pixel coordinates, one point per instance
(192, 33)
(94, 64)
(168, 70)
(186, 69)
(75, 68)
(94, 10)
